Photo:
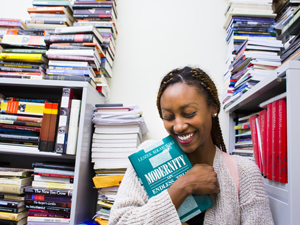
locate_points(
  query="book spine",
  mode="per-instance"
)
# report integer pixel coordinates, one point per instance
(19, 138)
(48, 220)
(48, 203)
(53, 171)
(256, 149)
(269, 141)
(47, 207)
(72, 57)
(68, 72)
(11, 189)
(21, 128)
(64, 117)
(73, 126)
(42, 197)
(52, 185)
(21, 65)
(8, 203)
(282, 137)
(69, 38)
(52, 166)
(45, 127)
(68, 77)
(45, 22)
(275, 142)
(21, 118)
(9, 216)
(55, 215)
(52, 128)
(94, 11)
(19, 50)
(263, 135)
(29, 108)
(47, 191)
(8, 209)
(56, 175)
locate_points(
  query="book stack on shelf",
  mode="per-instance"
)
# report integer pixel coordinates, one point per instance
(78, 49)
(12, 184)
(49, 197)
(49, 15)
(255, 60)
(118, 132)
(23, 54)
(21, 123)
(6, 23)
(102, 15)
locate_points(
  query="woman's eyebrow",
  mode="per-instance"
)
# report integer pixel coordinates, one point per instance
(182, 107)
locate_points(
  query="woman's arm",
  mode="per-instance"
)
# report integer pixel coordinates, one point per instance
(254, 202)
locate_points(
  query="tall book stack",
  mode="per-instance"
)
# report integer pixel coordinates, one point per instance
(50, 195)
(23, 54)
(74, 53)
(49, 15)
(12, 184)
(256, 59)
(118, 132)
(20, 123)
(102, 15)
(6, 23)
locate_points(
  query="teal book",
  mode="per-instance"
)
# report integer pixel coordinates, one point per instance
(159, 165)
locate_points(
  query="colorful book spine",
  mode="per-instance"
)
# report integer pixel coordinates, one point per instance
(282, 137)
(64, 117)
(47, 191)
(275, 142)
(263, 135)
(256, 146)
(269, 141)
(52, 128)
(45, 127)
(42, 197)
(48, 203)
(17, 107)
(69, 38)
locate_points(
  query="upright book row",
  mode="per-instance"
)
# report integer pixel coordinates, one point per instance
(40, 125)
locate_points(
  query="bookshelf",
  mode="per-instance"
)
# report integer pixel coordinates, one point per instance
(84, 195)
(284, 198)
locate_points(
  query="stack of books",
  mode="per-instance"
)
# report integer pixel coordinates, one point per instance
(50, 195)
(255, 60)
(49, 15)
(118, 131)
(21, 122)
(102, 15)
(6, 23)
(79, 50)
(12, 184)
(23, 54)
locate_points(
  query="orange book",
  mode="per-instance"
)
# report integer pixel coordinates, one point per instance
(57, 9)
(52, 128)
(45, 127)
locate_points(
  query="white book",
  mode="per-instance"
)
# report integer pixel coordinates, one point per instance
(73, 126)
(120, 155)
(129, 140)
(81, 52)
(113, 145)
(273, 99)
(68, 63)
(264, 42)
(52, 179)
(116, 136)
(45, 184)
(48, 219)
(116, 150)
(111, 129)
(15, 181)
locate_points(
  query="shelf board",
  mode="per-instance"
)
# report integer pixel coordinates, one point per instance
(264, 90)
(46, 83)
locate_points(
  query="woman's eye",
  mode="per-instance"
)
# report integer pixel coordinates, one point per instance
(188, 115)
(168, 117)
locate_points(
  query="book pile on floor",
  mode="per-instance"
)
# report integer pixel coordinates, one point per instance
(102, 15)
(74, 53)
(49, 15)
(255, 60)
(12, 184)
(118, 132)
(50, 195)
(23, 54)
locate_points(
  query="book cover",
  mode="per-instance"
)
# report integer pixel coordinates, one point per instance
(26, 108)
(44, 197)
(159, 165)
(255, 141)
(282, 137)
(64, 116)
(47, 191)
(263, 137)
(47, 203)
(275, 142)
(45, 127)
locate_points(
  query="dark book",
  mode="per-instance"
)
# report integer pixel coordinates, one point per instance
(47, 191)
(22, 64)
(70, 38)
(17, 69)
(45, 22)
(20, 123)
(19, 138)
(43, 197)
(70, 47)
(39, 32)
(10, 45)
(104, 11)
(10, 222)
(47, 207)
(53, 214)
(20, 128)
(11, 203)
(22, 50)
(70, 77)
(53, 165)
(48, 203)
(12, 209)
(109, 105)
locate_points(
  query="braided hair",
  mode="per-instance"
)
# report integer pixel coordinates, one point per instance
(199, 79)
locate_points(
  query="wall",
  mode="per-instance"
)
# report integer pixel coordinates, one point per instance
(155, 37)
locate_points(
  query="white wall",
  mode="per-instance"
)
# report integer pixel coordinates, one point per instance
(155, 37)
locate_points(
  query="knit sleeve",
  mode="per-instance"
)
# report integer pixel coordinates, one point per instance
(133, 207)
(254, 202)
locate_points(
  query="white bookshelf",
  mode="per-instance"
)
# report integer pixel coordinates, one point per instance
(284, 198)
(84, 195)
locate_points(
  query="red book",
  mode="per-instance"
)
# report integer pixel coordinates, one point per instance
(282, 137)
(55, 175)
(263, 138)
(269, 141)
(275, 142)
(255, 142)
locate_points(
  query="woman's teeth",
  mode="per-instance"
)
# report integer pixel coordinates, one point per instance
(185, 137)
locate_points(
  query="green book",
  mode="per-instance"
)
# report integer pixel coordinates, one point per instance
(159, 165)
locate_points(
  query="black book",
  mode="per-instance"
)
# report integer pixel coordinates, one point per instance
(11, 203)
(47, 191)
(109, 105)
(51, 208)
(10, 222)
(53, 165)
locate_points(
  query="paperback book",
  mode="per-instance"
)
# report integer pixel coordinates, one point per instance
(159, 165)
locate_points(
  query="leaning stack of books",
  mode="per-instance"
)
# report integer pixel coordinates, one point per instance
(118, 132)
(23, 54)
(6, 23)
(80, 50)
(102, 15)
(12, 184)
(49, 15)
(50, 195)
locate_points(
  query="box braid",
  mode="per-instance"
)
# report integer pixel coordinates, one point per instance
(199, 79)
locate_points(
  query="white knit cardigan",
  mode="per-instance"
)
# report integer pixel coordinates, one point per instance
(132, 205)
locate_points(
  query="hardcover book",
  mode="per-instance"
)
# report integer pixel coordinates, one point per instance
(159, 165)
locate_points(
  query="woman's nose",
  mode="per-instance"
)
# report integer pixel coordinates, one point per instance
(179, 125)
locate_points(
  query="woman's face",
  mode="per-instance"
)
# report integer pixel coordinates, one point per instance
(186, 116)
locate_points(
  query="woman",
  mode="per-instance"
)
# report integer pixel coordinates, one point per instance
(188, 104)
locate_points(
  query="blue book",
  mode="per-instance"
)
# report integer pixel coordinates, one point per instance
(159, 165)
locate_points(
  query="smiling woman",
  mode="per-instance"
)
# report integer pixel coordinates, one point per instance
(188, 104)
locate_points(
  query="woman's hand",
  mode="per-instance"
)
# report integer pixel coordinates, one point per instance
(200, 179)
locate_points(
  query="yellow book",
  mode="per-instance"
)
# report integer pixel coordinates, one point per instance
(107, 181)
(13, 216)
(44, 184)
(29, 108)
(23, 57)
(101, 221)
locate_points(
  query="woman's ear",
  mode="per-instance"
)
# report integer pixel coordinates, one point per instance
(214, 110)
